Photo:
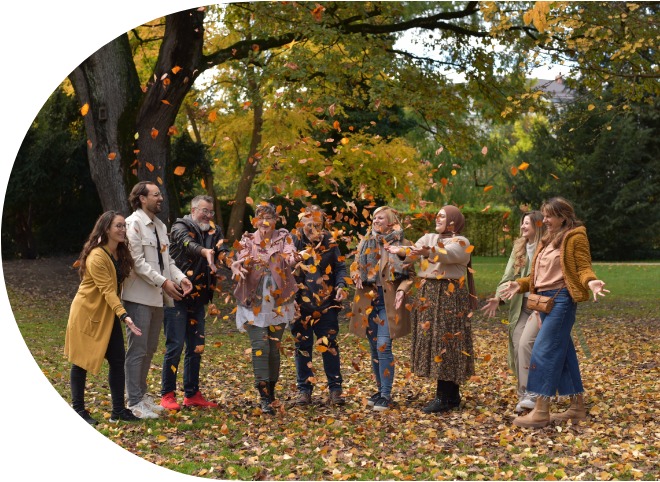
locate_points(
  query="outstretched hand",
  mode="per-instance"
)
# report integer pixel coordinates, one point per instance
(186, 286)
(597, 288)
(490, 308)
(237, 269)
(510, 290)
(131, 326)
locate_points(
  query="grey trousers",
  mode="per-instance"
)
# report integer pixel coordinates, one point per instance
(524, 335)
(265, 352)
(140, 349)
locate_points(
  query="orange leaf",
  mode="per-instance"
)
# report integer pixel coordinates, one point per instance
(554, 176)
(159, 180)
(154, 133)
(166, 102)
(112, 156)
(523, 166)
(172, 131)
(84, 109)
(203, 184)
(213, 116)
(179, 170)
(150, 166)
(514, 170)
(176, 69)
(488, 188)
(335, 125)
(469, 249)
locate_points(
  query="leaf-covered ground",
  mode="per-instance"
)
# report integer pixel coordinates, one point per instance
(620, 439)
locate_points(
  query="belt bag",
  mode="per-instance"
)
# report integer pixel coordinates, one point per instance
(540, 303)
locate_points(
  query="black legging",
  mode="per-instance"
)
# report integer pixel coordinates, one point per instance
(115, 354)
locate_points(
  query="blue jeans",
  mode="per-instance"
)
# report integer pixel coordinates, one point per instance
(378, 334)
(554, 368)
(328, 326)
(183, 324)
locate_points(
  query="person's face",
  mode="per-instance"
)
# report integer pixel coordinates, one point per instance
(117, 230)
(441, 221)
(203, 214)
(153, 201)
(528, 229)
(552, 223)
(381, 223)
(266, 225)
(313, 227)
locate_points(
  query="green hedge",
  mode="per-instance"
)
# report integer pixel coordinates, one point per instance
(491, 232)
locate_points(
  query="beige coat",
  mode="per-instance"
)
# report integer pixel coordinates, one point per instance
(398, 319)
(92, 313)
(144, 285)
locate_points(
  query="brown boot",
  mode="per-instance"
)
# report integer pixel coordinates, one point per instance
(539, 416)
(575, 412)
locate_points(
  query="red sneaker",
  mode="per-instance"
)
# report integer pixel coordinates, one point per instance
(197, 400)
(169, 402)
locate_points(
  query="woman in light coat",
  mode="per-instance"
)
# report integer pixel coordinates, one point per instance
(523, 323)
(379, 311)
(94, 331)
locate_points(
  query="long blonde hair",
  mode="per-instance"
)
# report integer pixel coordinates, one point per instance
(520, 244)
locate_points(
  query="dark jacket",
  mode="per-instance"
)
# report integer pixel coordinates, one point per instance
(186, 243)
(318, 287)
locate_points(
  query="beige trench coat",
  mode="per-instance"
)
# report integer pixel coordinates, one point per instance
(92, 313)
(398, 319)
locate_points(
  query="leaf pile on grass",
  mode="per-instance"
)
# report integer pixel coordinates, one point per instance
(620, 440)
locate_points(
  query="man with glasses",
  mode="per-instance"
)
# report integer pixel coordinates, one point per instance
(197, 245)
(155, 282)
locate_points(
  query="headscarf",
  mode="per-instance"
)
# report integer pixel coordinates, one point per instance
(454, 226)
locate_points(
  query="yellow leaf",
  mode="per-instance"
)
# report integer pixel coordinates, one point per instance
(465, 353)
(591, 107)
(453, 172)
(258, 353)
(179, 170)
(84, 109)
(344, 141)
(159, 180)
(523, 166)
(437, 359)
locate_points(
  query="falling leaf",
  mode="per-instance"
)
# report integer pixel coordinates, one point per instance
(84, 109)
(179, 170)
(149, 166)
(176, 69)
(488, 188)
(514, 170)
(469, 249)
(591, 107)
(258, 353)
(523, 166)
(213, 116)
(154, 133)
(554, 176)
(112, 156)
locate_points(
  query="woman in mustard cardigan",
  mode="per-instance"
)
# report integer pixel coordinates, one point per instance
(562, 269)
(94, 328)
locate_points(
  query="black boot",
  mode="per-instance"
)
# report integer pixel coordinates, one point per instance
(271, 391)
(264, 398)
(78, 380)
(447, 398)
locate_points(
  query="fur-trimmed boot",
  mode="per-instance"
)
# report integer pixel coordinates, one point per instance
(575, 412)
(539, 416)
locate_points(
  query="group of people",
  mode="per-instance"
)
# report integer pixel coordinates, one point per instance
(133, 272)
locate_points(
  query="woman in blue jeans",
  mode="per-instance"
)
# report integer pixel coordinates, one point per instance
(561, 269)
(379, 313)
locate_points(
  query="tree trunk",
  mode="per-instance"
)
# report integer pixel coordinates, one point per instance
(175, 71)
(108, 83)
(236, 228)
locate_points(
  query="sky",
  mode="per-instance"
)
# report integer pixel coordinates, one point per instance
(44, 438)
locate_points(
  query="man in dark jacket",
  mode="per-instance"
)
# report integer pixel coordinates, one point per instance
(321, 277)
(196, 245)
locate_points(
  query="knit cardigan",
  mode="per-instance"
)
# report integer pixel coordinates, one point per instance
(575, 258)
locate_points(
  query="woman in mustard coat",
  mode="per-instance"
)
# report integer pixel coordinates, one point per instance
(94, 328)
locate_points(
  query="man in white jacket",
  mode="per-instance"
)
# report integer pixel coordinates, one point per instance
(154, 283)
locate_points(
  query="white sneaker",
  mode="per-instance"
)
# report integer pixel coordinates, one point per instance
(142, 410)
(153, 406)
(527, 403)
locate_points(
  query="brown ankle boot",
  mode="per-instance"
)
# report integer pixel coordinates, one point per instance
(539, 416)
(575, 412)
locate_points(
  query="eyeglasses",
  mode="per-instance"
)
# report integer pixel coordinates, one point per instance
(120, 226)
(206, 212)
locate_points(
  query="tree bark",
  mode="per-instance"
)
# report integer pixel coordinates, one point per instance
(107, 82)
(235, 228)
(175, 71)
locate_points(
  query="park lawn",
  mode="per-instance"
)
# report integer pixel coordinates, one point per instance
(618, 351)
